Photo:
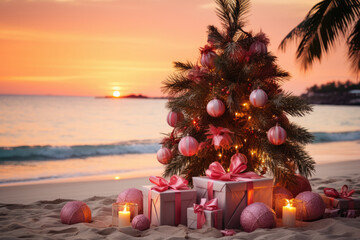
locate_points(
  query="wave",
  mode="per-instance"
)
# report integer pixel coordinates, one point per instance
(323, 137)
(25, 153)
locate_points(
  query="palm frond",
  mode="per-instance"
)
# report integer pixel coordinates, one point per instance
(323, 25)
(354, 47)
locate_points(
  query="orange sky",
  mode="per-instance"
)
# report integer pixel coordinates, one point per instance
(92, 47)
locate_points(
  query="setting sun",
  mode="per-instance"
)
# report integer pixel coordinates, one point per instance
(116, 94)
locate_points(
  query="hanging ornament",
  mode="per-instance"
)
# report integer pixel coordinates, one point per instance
(220, 136)
(188, 146)
(208, 56)
(258, 48)
(215, 108)
(258, 98)
(197, 74)
(163, 155)
(276, 135)
(174, 117)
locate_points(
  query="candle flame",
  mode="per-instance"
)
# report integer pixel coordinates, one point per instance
(289, 203)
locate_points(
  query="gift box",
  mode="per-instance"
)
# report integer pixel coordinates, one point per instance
(331, 212)
(212, 219)
(234, 196)
(164, 206)
(341, 203)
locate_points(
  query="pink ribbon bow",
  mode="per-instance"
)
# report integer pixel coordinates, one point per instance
(331, 192)
(220, 136)
(216, 171)
(199, 210)
(176, 183)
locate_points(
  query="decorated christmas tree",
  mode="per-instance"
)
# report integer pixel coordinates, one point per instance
(229, 104)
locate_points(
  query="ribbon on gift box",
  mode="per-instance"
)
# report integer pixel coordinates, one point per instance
(176, 183)
(344, 194)
(204, 205)
(217, 172)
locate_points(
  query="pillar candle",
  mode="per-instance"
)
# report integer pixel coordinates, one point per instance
(289, 216)
(124, 218)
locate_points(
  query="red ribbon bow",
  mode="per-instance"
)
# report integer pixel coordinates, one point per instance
(199, 210)
(175, 183)
(216, 171)
(331, 192)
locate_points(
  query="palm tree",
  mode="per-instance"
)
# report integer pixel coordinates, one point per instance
(324, 24)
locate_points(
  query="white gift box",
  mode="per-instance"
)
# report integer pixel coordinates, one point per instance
(163, 205)
(233, 196)
(210, 217)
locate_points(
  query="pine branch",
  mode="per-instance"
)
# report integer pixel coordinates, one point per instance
(293, 105)
(183, 66)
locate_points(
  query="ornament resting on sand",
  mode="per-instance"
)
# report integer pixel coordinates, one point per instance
(131, 195)
(314, 206)
(75, 212)
(140, 222)
(257, 215)
(302, 184)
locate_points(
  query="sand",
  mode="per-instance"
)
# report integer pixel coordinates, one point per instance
(32, 211)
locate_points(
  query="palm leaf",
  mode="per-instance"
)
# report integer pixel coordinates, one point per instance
(354, 46)
(323, 25)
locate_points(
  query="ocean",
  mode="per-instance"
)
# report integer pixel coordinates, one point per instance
(55, 138)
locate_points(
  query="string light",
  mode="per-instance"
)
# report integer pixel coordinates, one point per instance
(249, 117)
(245, 104)
(245, 140)
(236, 147)
(220, 155)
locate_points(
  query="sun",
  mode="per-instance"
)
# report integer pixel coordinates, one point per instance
(116, 94)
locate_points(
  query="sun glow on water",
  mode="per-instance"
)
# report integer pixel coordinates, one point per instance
(116, 94)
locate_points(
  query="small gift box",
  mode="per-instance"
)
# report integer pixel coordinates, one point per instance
(234, 190)
(166, 203)
(205, 214)
(342, 200)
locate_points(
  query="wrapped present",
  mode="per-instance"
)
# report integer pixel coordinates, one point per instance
(166, 203)
(331, 212)
(342, 200)
(205, 214)
(234, 190)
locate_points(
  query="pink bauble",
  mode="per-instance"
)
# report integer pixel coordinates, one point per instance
(280, 192)
(131, 195)
(208, 56)
(140, 222)
(314, 206)
(276, 135)
(163, 155)
(174, 117)
(302, 184)
(75, 212)
(258, 48)
(215, 108)
(258, 98)
(257, 215)
(188, 146)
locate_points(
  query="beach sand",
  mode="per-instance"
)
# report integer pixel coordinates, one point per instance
(33, 211)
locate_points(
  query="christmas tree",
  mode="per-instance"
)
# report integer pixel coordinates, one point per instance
(230, 104)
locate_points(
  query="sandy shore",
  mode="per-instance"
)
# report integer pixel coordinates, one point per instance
(32, 211)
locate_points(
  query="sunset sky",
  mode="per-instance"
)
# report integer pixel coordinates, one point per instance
(93, 47)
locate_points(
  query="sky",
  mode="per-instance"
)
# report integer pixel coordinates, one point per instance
(94, 47)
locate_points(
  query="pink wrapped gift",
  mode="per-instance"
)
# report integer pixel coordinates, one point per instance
(205, 214)
(342, 200)
(166, 203)
(233, 190)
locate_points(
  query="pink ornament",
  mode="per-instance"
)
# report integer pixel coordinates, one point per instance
(280, 192)
(258, 98)
(302, 184)
(197, 74)
(131, 195)
(174, 117)
(163, 155)
(215, 108)
(241, 158)
(75, 212)
(314, 206)
(140, 222)
(257, 215)
(208, 56)
(188, 146)
(258, 48)
(276, 135)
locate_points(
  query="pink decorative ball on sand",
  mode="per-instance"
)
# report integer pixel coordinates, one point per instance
(188, 146)
(257, 215)
(75, 212)
(140, 222)
(132, 195)
(302, 185)
(280, 192)
(314, 206)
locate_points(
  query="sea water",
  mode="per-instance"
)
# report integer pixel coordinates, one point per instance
(52, 137)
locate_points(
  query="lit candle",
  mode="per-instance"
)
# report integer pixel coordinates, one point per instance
(124, 218)
(289, 215)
